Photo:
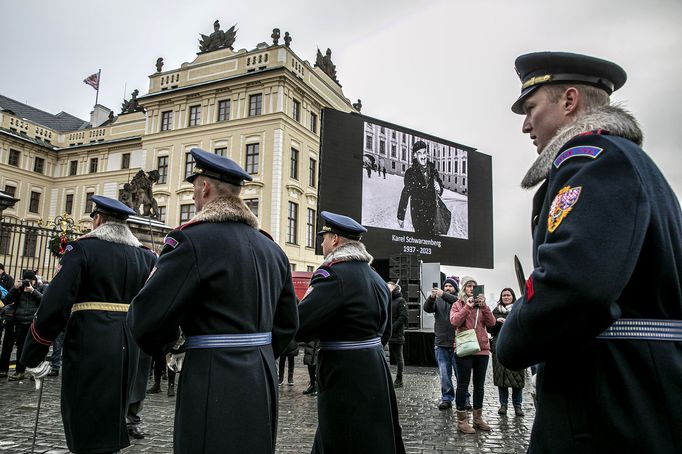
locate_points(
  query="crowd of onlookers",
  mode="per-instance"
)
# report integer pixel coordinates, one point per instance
(455, 308)
(19, 301)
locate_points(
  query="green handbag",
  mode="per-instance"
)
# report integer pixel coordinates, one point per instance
(466, 341)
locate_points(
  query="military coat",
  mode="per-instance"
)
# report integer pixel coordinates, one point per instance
(216, 275)
(357, 410)
(99, 357)
(607, 245)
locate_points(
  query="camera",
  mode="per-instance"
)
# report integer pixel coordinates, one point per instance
(25, 283)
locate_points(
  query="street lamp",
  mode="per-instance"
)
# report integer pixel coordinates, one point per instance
(6, 201)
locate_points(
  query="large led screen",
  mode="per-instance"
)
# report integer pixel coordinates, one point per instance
(415, 193)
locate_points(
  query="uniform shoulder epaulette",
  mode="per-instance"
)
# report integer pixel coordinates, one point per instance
(148, 249)
(188, 224)
(266, 234)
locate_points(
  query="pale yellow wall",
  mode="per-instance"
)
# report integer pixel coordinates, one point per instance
(210, 78)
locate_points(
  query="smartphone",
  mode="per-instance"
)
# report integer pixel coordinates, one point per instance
(435, 285)
(479, 290)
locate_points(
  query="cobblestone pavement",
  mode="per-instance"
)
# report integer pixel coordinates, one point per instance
(426, 430)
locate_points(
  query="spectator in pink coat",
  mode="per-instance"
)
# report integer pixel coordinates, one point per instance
(471, 312)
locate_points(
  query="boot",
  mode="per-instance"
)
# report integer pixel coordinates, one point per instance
(502, 410)
(310, 389)
(156, 388)
(398, 382)
(518, 411)
(171, 390)
(463, 422)
(479, 422)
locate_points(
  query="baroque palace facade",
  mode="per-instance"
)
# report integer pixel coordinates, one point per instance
(260, 107)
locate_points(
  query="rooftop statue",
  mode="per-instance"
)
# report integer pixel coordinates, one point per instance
(218, 39)
(324, 62)
(159, 64)
(275, 36)
(132, 105)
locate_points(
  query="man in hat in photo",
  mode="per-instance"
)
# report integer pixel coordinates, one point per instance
(602, 308)
(98, 277)
(347, 307)
(228, 286)
(422, 187)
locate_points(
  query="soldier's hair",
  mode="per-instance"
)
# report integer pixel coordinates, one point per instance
(591, 97)
(224, 189)
(221, 188)
(108, 218)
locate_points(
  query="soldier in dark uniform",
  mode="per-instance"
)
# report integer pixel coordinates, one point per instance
(347, 308)
(602, 310)
(98, 276)
(228, 286)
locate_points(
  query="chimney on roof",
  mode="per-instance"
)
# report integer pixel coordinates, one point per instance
(99, 115)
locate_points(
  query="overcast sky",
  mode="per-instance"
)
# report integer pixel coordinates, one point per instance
(441, 67)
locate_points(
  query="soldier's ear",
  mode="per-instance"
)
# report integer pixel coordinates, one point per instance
(570, 100)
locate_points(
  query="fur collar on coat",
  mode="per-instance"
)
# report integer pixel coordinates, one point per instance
(114, 232)
(226, 209)
(349, 252)
(614, 119)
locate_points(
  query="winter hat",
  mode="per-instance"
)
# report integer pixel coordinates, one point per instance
(452, 281)
(465, 279)
(29, 275)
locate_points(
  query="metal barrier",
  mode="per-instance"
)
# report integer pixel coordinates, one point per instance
(25, 245)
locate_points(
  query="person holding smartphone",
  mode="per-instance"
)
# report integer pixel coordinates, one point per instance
(471, 312)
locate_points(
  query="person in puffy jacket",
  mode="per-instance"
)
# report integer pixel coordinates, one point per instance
(471, 312)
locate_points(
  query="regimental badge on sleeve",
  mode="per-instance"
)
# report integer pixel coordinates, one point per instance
(582, 151)
(562, 204)
(308, 292)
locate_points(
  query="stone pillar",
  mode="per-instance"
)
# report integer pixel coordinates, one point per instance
(149, 231)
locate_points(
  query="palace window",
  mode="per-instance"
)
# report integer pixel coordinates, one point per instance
(255, 105)
(166, 120)
(194, 116)
(162, 167)
(34, 202)
(252, 158)
(296, 110)
(292, 223)
(39, 165)
(293, 172)
(224, 110)
(68, 204)
(14, 156)
(252, 204)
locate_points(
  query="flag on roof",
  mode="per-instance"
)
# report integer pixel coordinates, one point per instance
(93, 81)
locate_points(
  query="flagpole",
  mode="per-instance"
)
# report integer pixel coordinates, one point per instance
(99, 79)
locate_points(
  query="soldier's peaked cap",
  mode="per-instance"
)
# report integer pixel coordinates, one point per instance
(341, 225)
(540, 68)
(217, 167)
(110, 207)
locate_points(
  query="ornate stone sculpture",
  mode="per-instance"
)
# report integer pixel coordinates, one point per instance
(287, 39)
(275, 36)
(358, 105)
(139, 193)
(159, 64)
(133, 105)
(218, 39)
(324, 62)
